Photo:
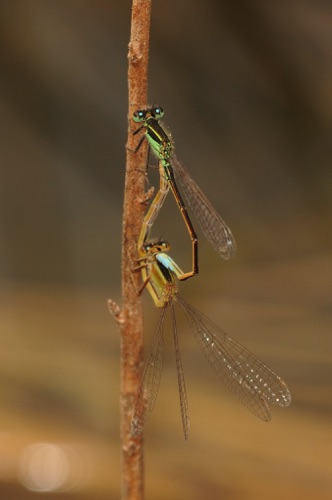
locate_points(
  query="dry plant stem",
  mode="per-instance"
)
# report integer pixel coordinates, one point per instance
(131, 316)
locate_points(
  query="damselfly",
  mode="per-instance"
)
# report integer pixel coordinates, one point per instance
(252, 382)
(212, 225)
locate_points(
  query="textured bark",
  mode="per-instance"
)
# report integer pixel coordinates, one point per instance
(130, 317)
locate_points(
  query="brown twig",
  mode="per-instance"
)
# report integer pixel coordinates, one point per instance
(130, 318)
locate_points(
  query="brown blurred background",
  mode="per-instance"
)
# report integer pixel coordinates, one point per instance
(246, 88)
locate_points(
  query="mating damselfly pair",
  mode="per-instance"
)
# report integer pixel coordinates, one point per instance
(254, 384)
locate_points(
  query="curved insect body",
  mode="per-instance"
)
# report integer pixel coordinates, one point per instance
(252, 382)
(172, 169)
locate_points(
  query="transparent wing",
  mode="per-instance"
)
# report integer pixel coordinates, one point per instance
(148, 390)
(252, 382)
(213, 227)
(181, 381)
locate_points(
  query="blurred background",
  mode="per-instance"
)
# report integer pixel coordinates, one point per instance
(246, 89)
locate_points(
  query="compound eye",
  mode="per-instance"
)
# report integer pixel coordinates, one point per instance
(158, 112)
(139, 115)
(165, 246)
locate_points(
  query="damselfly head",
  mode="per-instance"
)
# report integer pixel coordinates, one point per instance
(142, 115)
(154, 247)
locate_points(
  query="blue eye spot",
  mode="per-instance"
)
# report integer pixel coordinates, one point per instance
(158, 112)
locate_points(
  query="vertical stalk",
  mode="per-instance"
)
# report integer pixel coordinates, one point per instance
(130, 318)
